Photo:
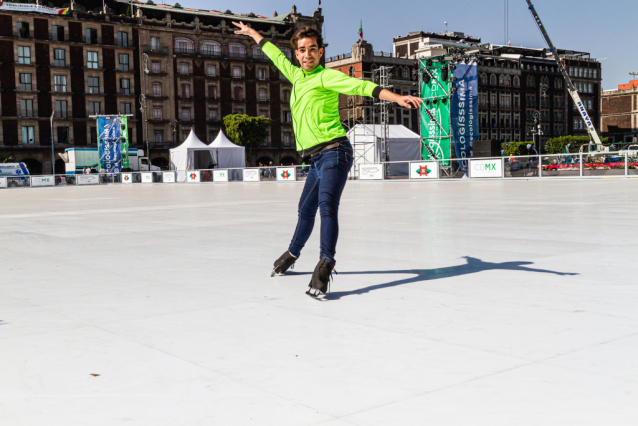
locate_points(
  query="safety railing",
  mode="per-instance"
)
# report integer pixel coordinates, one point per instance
(556, 166)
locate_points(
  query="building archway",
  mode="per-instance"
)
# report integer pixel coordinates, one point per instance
(287, 161)
(263, 160)
(34, 166)
(160, 162)
(60, 167)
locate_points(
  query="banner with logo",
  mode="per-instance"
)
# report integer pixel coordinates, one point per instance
(87, 179)
(168, 177)
(486, 168)
(42, 180)
(109, 144)
(464, 111)
(435, 112)
(127, 177)
(251, 175)
(3, 182)
(371, 171)
(124, 141)
(424, 170)
(192, 176)
(220, 175)
(286, 174)
(26, 7)
(147, 177)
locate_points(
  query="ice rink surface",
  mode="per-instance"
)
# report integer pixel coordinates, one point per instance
(457, 303)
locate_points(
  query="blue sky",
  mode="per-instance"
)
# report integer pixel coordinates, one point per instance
(606, 29)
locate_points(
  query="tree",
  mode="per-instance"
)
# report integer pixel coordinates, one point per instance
(5, 158)
(515, 148)
(558, 145)
(247, 131)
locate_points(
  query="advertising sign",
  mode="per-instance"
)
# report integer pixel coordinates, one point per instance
(286, 174)
(192, 176)
(87, 179)
(147, 177)
(424, 170)
(124, 141)
(3, 182)
(435, 112)
(371, 171)
(127, 177)
(168, 177)
(109, 144)
(486, 168)
(25, 8)
(43, 180)
(220, 175)
(465, 111)
(251, 175)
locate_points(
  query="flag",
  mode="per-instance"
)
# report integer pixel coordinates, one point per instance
(319, 2)
(509, 43)
(361, 29)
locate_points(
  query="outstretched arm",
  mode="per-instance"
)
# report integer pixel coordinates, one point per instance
(405, 101)
(246, 30)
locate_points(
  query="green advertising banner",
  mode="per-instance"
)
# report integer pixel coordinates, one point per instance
(435, 112)
(125, 141)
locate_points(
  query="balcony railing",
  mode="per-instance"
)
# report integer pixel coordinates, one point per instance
(184, 50)
(214, 53)
(232, 54)
(155, 50)
(26, 113)
(61, 114)
(91, 40)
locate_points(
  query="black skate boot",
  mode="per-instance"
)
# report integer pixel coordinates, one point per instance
(320, 281)
(285, 262)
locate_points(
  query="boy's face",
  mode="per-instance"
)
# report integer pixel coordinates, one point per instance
(308, 53)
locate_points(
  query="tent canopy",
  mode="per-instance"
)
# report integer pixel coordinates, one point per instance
(192, 154)
(404, 144)
(228, 154)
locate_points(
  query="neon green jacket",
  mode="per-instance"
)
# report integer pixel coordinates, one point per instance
(314, 102)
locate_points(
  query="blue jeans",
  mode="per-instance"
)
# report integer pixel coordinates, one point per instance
(326, 179)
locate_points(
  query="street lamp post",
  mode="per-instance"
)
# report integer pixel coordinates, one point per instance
(52, 152)
(143, 106)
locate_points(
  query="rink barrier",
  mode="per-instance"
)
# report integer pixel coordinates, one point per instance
(555, 166)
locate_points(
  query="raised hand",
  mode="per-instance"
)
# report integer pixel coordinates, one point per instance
(246, 30)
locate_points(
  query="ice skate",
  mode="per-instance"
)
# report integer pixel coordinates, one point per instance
(285, 262)
(320, 281)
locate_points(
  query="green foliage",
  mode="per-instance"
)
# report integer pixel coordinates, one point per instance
(246, 131)
(516, 148)
(5, 158)
(558, 145)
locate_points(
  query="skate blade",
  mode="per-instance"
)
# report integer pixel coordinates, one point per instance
(279, 274)
(317, 296)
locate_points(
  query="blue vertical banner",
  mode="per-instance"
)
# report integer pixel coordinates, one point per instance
(464, 111)
(109, 143)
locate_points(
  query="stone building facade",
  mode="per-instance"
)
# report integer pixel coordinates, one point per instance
(619, 115)
(188, 63)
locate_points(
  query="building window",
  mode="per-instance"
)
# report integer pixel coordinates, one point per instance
(158, 136)
(493, 79)
(406, 73)
(28, 134)
(183, 68)
(236, 50)
(287, 117)
(123, 61)
(184, 45)
(91, 36)
(287, 139)
(238, 94)
(595, 73)
(261, 73)
(125, 86)
(211, 70)
(287, 52)
(125, 108)
(60, 83)
(92, 135)
(24, 55)
(94, 85)
(263, 94)
(493, 100)
(239, 111)
(186, 114)
(286, 95)
(212, 134)
(25, 82)
(186, 90)
(91, 60)
(122, 39)
(531, 82)
(57, 33)
(236, 72)
(501, 80)
(157, 89)
(156, 67)
(212, 92)
(63, 134)
(94, 108)
(213, 114)
(157, 113)
(23, 29)
(155, 43)
(61, 109)
(211, 48)
(484, 79)
(59, 58)
(26, 107)
(507, 81)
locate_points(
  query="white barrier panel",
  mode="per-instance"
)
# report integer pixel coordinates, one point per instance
(286, 174)
(371, 171)
(127, 177)
(43, 180)
(424, 170)
(251, 175)
(168, 177)
(220, 175)
(192, 176)
(3, 182)
(87, 179)
(486, 168)
(147, 177)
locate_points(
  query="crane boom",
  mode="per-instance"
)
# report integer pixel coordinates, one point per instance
(570, 86)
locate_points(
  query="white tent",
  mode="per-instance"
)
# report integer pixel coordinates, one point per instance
(193, 154)
(227, 153)
(404, 145)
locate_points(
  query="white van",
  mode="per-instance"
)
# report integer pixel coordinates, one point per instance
(13, 170)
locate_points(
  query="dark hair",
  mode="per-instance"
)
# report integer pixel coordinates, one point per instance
(306, 32)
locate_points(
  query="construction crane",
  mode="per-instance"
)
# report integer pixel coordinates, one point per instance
(593, 135)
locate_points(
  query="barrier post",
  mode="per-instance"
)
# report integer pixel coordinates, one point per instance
(540, 166)
(626, 164)
(580, 161)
